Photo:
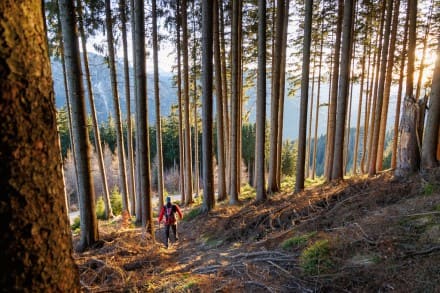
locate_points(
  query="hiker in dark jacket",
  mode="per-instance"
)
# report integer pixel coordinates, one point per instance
(169, 211)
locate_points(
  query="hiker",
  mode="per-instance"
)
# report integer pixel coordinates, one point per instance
(169, 211)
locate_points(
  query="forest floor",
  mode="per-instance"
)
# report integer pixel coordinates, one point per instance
(363, 234)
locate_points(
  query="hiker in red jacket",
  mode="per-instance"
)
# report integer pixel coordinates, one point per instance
(169, 210)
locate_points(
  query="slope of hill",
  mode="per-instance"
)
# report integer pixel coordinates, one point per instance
(360, 235)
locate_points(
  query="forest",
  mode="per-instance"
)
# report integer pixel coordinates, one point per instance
(350, 203)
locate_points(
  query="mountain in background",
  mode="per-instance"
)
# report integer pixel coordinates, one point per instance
(100, 75)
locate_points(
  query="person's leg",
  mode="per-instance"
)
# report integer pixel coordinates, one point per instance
(167, 234)
(175, 232)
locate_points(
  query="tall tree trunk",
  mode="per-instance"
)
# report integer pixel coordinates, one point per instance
(299, 184)
(142, 123)
(225, 95)
(282, 91)
(409, 152)
(430, 140)
(399, 94)
(196, 176)
(310, 116)
(273, 187)
(334, 95)
(35, 243)
(98, 146)
(187, 156)
(380, 91)
(219, 103)
(261, 104)
(207, 55)
(131, 180)
(179, 94)
(388, 81)
(136, 181)
(425, 45)
(235, 160)
(337, 170)
(318, 98)
(89, 225)
(114, 85)
(160, 184)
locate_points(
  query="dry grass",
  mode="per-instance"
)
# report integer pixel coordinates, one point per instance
(380, 234)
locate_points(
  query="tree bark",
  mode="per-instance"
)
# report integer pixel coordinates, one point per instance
(35, 243)
(98, 146)
(261, 104)
(142, 123)
(114, 85)
(219, 103)
(409, 152)
(334, 95)
(187, 129)
(337, 170)
(299, 184)
(160, 184)
(207, 74)
(431, 140)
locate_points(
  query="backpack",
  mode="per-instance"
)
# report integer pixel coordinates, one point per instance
(170, 217)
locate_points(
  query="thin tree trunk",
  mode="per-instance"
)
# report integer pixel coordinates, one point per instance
(88, 222)
(309, 128)
(160, 184)
(187, 156)
(98, 146)
(114, 85)
(380, 92)
(318, 97)
(207, 109)
(273, 186)
(282, 92)
(399, 95)
(235, 161)
(337, 171)
(219, 103)
(388, 81)
(334, 95)
(179, 94)
(131, 180)
(299, 184)
(425, 45)
(261, 104)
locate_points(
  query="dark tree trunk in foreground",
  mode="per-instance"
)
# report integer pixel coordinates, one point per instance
(299, 184)
(89, 225)
(35, 243)
(207, 153)
(431, 140)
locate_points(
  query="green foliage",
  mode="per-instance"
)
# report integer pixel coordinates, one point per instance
(192, 214)
(288, 158)
(428, 189)
(76, 225)
(100, 209)
(313, 182)
(297, 241)
(315, 259)
(116, 201)
(63, 130)
(288, 183)
(247, 192)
